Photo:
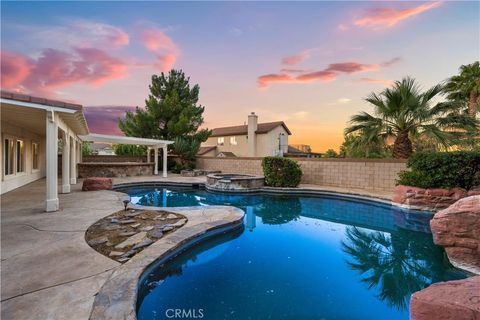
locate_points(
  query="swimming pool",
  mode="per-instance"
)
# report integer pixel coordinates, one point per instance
(298, 258)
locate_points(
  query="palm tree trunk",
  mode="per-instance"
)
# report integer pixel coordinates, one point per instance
(402, 147)
(472, 104)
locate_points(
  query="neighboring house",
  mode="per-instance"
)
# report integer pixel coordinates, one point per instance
(103, 149)
(301, 151)
(250, 140)
(30, 130)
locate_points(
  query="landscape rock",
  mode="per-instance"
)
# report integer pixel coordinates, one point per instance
(97, 183)
(171, 216)
(427, 199)
(98, 241)
(167, 228)
(143, 244)
(136, 225)
(457, 229)
(133, 240)
(458, 300)
(147, 228)
(156, 233)
(179, 223)
(127, 233)
(126, 221)
(115, 253)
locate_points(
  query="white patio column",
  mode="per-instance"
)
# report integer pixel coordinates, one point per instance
(73, 162)
(155, 170)
(148, 155)
(66, 163)
(164, 161)
(51, 150)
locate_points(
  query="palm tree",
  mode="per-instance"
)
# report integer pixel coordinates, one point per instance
(465, 87)
(398, 264)
(405, 113)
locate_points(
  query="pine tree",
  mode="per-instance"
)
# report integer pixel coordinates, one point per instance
(171, 112)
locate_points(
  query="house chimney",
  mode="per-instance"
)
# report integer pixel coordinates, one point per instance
(252, 136)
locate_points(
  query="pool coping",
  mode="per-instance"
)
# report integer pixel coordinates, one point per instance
(117, 298)
(301, 191)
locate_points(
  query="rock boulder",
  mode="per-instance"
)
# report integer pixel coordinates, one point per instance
(452, 300)
(457, 229)
(97, 183)
(427, 199)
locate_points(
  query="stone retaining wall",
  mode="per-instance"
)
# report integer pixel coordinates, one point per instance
(371, 174)
(115, 158)
(97, 169)
(429, 199)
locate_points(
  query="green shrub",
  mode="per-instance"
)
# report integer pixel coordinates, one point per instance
(442, 170)
(281, 172)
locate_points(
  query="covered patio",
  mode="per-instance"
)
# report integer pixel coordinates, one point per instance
(151, 144)
(31, 129)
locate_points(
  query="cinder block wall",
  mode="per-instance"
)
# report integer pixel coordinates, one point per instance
(370, 174)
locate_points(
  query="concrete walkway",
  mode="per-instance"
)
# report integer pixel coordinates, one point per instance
(48, 270)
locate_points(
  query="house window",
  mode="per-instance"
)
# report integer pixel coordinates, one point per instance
(233, 141)
(34, 156)
(220, 141)
(20, 153)
(9, 154)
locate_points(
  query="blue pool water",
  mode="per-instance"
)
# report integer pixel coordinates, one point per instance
(297, 258)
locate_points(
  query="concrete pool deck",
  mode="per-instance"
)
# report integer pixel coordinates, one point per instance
(48, 271)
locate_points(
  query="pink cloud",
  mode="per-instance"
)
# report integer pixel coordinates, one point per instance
(323, 75)
(100, 32)
(265, 80)
(155, 40)
(164, 48)
(297, 58)
(104, 119)
(55, 69)
(328, 74)
(14, 69)
(166, 62)
(351, 67)
(388, 17)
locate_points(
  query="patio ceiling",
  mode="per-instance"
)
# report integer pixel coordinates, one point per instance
(95, 137)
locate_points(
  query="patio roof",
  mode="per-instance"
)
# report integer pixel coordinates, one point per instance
(95, 137)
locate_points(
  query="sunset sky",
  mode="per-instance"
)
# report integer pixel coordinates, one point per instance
(309, 64)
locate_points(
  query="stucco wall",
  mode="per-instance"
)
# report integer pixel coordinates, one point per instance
(367, 174)
(16, 180)
(267, 143)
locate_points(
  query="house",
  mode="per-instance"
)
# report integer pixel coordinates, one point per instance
(249, 140)
(30, 131)
(301, 151)
(103, 149)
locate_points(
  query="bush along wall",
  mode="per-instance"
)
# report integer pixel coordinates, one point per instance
(437, 180)
(443, 170)
(281, 172)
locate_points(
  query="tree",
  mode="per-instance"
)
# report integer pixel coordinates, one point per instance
(129, 150)
(405, 113)
(87, 149)
(171, 112)
(465, 87)
(330, 153)
(354, 146)
(398, 264)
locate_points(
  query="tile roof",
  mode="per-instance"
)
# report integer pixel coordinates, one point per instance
(48, 102)
(226, 154)
(243, 130)
(205, 149)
